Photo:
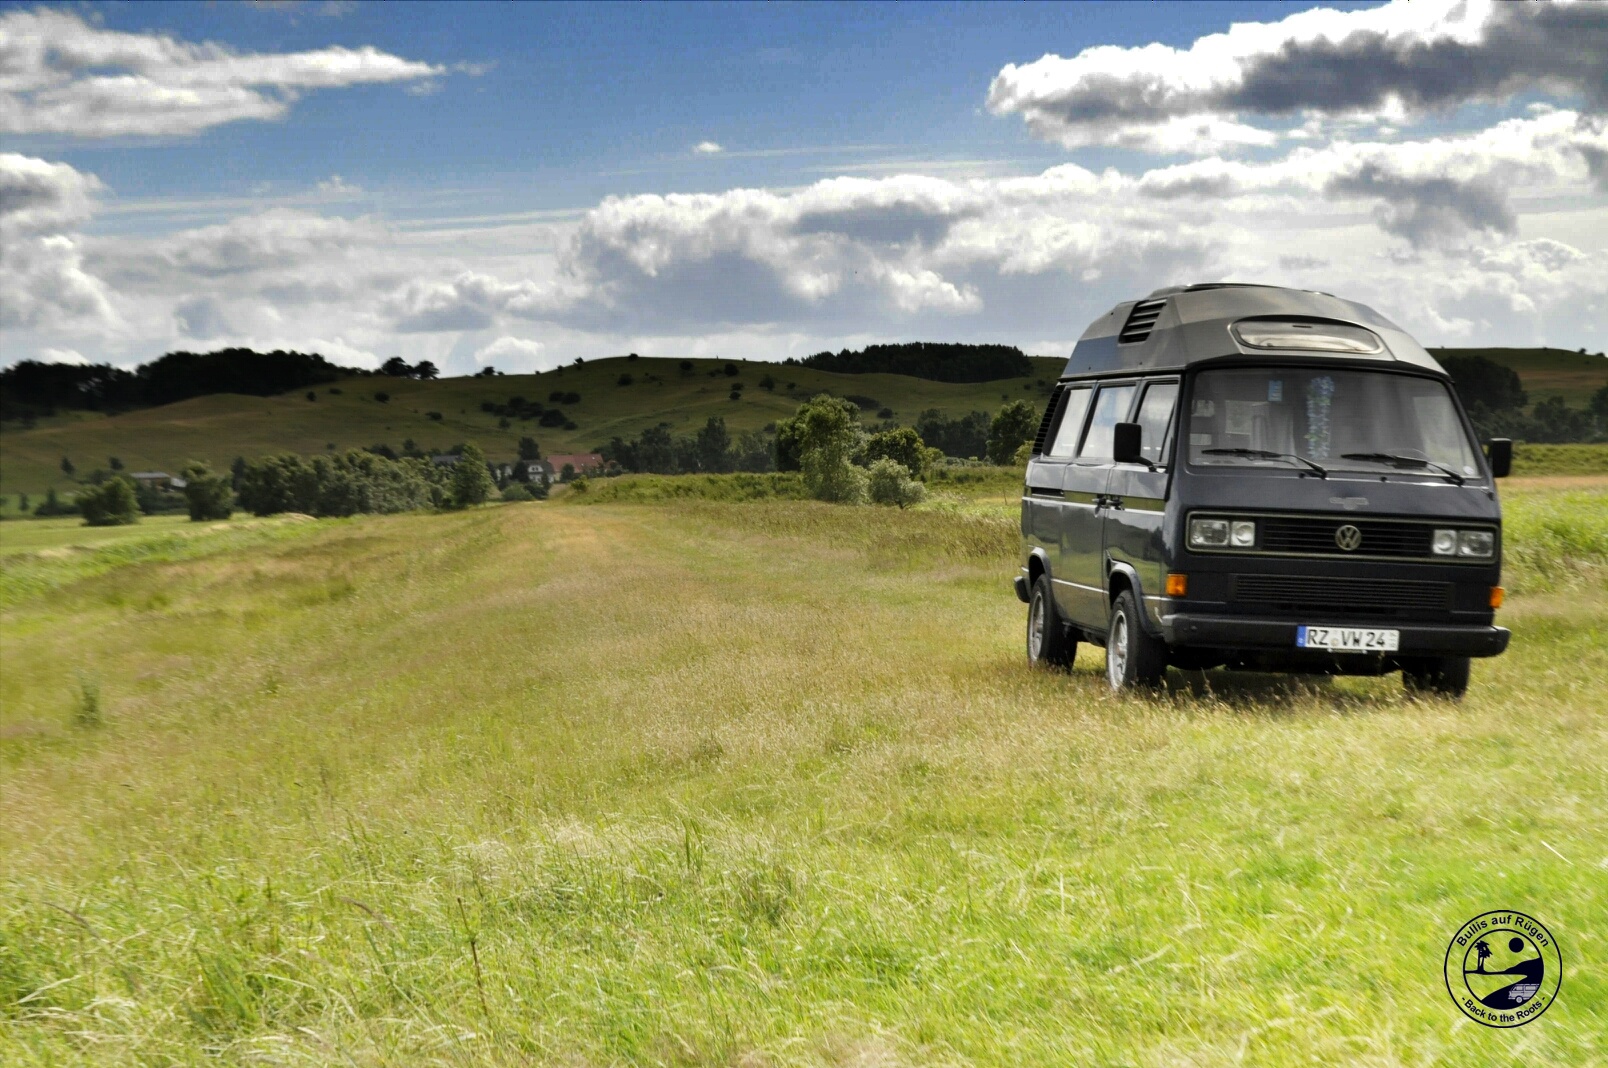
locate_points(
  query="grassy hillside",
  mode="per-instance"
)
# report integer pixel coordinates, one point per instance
(1548, 373)
(218, 428)
(749, 784)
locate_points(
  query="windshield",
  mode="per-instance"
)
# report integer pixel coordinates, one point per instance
(1301, 418)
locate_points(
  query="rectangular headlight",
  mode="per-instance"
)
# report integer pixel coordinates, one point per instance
(1242, 534)
(1444, 543)
(1208, 533)
(1475, 542)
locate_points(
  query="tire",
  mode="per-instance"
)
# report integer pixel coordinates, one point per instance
(1048, 644)
(1134, 659)
(1437, 676)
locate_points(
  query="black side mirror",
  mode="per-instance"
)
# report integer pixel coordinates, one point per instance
(1500, 452)
(1125, 443)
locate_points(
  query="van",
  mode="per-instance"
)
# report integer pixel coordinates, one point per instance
(1263, 479)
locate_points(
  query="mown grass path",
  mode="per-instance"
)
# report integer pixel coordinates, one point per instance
(704, 783)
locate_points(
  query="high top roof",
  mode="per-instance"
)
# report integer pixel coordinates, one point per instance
(1182, 325)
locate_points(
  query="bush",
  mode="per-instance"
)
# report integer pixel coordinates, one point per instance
(53, 505)
(209, 496)
(434, 416)
(110, 505)
(355, 482)
(624, 380)
(889, 482)
(902, 445)
(382, 396)
(517, 491)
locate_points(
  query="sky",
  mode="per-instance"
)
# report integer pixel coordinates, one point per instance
(520, 185)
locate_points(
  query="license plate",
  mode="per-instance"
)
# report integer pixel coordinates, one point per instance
(1347, 639)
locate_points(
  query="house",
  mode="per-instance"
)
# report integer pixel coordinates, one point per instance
(448, 459)
(583, 463)
(159, 480)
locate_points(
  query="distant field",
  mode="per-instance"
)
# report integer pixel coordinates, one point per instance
(750, 784)
(216, 429)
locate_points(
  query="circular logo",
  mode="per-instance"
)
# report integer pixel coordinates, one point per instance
(1348, 537)
(1503, 969)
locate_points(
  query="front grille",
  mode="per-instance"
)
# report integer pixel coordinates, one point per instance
(1316, 537)
(1347, 596)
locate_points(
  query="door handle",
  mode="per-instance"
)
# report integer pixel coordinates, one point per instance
(1111, 501)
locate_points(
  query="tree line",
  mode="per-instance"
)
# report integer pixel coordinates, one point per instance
(1496, 402)
(937, 361)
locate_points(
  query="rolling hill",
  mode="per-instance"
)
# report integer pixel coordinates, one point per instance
(345, 414)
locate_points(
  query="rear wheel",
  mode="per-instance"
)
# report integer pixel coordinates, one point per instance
(1437, 676)
(1133, 658)
(1048, 644)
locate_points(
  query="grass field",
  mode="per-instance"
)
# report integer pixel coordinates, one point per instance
(218, 428)
(699, 782)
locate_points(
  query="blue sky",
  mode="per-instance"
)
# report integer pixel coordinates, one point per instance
(517, 180)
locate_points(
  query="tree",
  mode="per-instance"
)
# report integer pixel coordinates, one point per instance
(731, 370)
(110, 505)
(624, 380)
(312, 394)
(471, 482)
(67, 467)
(529, 450)
(208, 496)
(426, 370)
(829, 432)
(767, 383)
(22, 503)
(686, 367)
(1014, 424)
(114, 463)
(381, 396)
(396, 367)
(1482, 951)
(713, 447)
(902, 445)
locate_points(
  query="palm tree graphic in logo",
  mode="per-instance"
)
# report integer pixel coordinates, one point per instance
(1516, 976)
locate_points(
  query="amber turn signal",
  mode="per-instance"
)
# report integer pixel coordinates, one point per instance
(1178, 585)
(1497, 593)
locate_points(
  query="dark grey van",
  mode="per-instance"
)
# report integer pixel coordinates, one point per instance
(1265, 479)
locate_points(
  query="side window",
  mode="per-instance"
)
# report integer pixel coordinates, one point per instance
(1155, 416)
(1110, 408)
(1073, 408)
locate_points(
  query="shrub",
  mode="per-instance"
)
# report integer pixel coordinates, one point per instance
(53, 505)
(731, 370)
(902, 445)
(110, 505)
(434, 416)
(889, 482)
(624, 380)
(382, 396)
(209, 496)
(312, 394)
(579, 485)
(735, 395)
(517, 491)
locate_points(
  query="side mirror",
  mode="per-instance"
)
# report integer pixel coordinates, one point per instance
(1125, 443)
(1500, 453)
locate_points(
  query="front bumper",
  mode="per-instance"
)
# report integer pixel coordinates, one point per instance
(1248, 633)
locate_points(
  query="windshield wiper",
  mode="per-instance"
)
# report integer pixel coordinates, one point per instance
(1267, 455)
(1397, 459)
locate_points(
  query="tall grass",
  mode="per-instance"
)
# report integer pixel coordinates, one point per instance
(710, 783)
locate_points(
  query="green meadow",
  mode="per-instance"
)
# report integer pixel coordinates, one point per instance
(635, 776)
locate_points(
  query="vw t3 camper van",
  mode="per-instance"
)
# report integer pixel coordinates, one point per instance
(1265, 479)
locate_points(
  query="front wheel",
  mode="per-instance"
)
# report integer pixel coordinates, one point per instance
(1437, 676)
(1048, 644)
(1133, 658)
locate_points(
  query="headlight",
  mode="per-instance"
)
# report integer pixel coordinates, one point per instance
(1208, 533)
(1243, 534)
(1475, 542)
(1445, 543)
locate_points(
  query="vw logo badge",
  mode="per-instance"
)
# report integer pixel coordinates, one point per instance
(1348, 537)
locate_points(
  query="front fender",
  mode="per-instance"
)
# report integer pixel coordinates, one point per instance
(1148, 609)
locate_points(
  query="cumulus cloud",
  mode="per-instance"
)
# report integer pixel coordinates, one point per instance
(515, 354)
(1400, 61)
(61, 74)
(43, 282)
(707, 148)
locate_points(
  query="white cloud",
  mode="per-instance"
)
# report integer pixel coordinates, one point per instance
(1404, 60)
(707, 148)
(516, 354)
(61, 74)
(43, 282)
(71, 356)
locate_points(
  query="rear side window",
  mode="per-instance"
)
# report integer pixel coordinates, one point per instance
(1110, 408)
(1073, 409)
(1155, 417)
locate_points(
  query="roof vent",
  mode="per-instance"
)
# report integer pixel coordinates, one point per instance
(1141, 321)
